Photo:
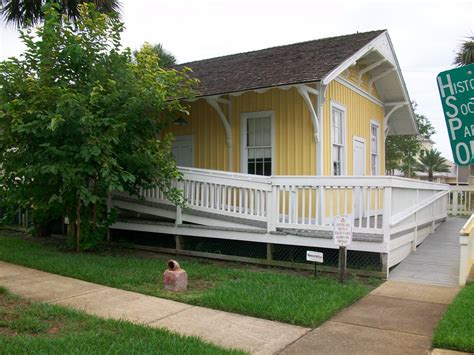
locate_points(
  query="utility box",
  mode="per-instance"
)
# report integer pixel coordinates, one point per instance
(174, 278)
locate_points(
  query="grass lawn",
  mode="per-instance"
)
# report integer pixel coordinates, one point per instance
(270, 294)
(456, 328)
(35, 328)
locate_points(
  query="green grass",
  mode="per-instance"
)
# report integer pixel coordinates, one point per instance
(35, 328)
(456, 328)
(268, 294)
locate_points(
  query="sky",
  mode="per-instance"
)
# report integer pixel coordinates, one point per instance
(425, 34)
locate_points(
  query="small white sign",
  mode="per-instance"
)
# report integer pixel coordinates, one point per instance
(314, 256)
(342, 231)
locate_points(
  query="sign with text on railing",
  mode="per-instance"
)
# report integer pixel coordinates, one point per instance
(342, 231)
(456, 88)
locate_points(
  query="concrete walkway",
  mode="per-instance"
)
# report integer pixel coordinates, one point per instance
(257, 336)
(436, 260)
(396, 318)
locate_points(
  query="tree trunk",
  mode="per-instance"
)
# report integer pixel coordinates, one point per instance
(94, 217)
(430, 175)
(78, 225)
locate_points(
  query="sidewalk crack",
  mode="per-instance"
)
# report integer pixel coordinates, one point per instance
(168, 315)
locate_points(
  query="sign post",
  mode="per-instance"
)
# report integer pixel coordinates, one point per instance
(343, 237)
(456, 89)
(315, 256)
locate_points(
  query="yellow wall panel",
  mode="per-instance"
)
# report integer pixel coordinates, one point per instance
(359, 112)
(295, 149)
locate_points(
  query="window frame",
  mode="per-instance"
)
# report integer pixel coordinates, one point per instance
(374, 123)
(244, 116)
(339, 107)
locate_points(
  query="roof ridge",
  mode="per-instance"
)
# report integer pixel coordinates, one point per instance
(278, 46)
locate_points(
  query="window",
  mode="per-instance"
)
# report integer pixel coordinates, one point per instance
(258, 143)
(338, 140)
(374, 149)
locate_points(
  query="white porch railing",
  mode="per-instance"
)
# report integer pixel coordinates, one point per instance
(466, 241)
(311, 202)
(461, 200)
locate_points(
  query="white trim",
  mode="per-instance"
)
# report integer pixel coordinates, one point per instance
(370, 67)
(380, 76)
(243, 134)
(379, 150)
(400, 78)
(378, 45)
(358, 90)
(304, 91)
(386, 119)
(338, 106)
(214, 103)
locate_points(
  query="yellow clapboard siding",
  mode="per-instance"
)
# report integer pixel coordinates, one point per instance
(295, 149)
(359, 112)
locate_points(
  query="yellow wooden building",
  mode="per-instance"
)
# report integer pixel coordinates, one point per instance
(278, 143)
(321, 107)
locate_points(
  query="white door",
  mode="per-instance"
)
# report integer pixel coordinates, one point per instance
(183, 151)
(359, 157)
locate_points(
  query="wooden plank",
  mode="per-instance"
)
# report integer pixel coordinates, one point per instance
(436, 260)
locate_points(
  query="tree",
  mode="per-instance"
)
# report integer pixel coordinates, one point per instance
(80, 119)
(24, 13)
(167, 59)
(431, 161)
(400, 151)
(465, 55)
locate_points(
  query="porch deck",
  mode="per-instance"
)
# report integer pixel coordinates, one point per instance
(436, 260)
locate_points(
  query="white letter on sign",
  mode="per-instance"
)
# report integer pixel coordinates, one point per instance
(466, 150)
(448, 85)
(453, 106)
(452, 128)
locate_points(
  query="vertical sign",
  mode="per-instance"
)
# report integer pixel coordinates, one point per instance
(342, 237)
(456, 88)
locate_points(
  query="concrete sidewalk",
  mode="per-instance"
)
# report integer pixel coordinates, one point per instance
(230, 330)
(396, 318)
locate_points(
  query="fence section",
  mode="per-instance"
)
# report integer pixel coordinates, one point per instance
(461, 200)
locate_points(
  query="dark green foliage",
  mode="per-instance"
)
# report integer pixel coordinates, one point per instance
(431, 161)
(465, 55)
(167, 59)
(25, 13)
(401, 151)
(80, 119)
(456, 328)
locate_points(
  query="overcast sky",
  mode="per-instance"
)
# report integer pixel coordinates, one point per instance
(425, 34)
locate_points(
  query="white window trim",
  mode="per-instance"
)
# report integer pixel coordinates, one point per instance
(243, 135)
(379, 148)
(342, 108)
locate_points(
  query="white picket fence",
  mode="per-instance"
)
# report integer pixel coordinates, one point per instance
(461, 200)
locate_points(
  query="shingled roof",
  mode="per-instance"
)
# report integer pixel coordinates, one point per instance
(284, 65)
